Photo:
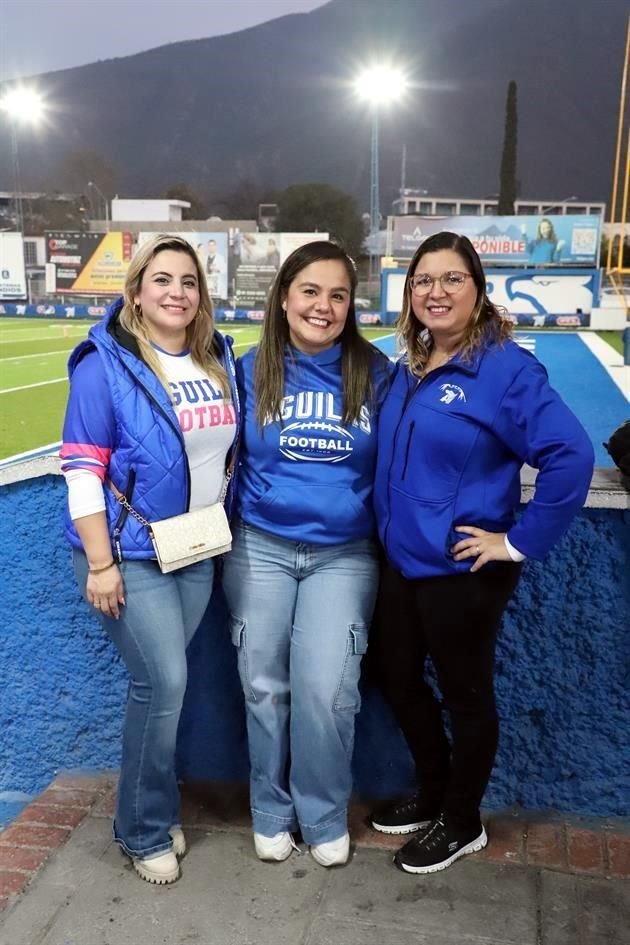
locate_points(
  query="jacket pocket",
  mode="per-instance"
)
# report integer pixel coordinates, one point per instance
(433, 456)
(327, 506)
(418, 535)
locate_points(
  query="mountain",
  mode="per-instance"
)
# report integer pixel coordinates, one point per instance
(274, 105)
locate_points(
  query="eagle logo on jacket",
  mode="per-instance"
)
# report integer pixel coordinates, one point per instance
(451, 392)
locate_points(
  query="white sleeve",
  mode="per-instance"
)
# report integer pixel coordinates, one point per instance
(513, 552)
(85, 493)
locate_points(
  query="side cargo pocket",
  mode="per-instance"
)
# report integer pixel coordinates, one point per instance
(348, 696)
(238, 634)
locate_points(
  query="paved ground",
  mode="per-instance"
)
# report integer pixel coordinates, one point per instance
(539, 883)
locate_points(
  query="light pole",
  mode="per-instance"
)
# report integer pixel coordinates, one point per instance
(561, 203)
(22, 106)
(104, 199)
(379, 86)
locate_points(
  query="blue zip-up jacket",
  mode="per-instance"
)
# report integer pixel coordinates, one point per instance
(309, 477)
(148, 462)
(450, 451)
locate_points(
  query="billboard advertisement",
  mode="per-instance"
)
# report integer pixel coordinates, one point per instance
(258, 256)
(558, 297)
(87, 263)
(12, 276)
(212, 250)
(519, 240)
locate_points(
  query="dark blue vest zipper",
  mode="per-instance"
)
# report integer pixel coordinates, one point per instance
(122, 518)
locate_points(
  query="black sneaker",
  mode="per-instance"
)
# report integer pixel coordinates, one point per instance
(404, 816)
(438, 847)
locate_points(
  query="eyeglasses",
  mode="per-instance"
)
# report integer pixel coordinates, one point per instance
(450, 281)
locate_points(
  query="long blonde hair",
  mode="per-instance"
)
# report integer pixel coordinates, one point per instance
(200, 332)
(487, 323)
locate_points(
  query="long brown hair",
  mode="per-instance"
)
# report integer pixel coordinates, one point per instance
(487, 322)
(357, 353)
(200, 332)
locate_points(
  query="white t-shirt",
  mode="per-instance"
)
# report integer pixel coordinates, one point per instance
(208, 423)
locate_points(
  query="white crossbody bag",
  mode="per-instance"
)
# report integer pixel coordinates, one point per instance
(188, 538)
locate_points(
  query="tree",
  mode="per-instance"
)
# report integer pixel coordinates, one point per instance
(54, 212)
(81, 167)
(320, 207)
(242, 202)
(508, 190)
(198, 205)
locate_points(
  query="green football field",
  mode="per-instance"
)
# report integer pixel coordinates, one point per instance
(33, 381)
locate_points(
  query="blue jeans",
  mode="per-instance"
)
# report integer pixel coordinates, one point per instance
(299, 617)
(158, 621)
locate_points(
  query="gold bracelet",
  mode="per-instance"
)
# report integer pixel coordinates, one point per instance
(100, 570)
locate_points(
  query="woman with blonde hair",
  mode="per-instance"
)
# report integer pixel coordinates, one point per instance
(152, 416)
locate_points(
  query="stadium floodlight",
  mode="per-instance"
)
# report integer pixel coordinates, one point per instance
(22, 105)
(379, 86)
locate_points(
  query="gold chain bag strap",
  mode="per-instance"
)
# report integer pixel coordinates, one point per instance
(188, 538)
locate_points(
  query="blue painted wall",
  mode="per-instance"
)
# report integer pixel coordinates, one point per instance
(563, 674)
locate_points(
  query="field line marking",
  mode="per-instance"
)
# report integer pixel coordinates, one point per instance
(12, 390)
(23, 357)
(24, 329)
(610, 360)
(16, 338)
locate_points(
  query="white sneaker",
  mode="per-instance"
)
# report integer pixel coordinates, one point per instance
(333, 853)
(160, 869)
(179, 842)
(276, 848)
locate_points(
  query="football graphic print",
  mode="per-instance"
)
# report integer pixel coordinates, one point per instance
(315, 441)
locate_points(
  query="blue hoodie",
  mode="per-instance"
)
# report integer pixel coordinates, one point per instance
(450, 451)
(309, 477)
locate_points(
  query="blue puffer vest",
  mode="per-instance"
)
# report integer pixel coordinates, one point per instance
(148, 463)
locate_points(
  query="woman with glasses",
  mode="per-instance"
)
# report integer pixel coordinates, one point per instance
(466, 409)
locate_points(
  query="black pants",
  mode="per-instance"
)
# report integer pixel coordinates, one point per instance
(454, 620)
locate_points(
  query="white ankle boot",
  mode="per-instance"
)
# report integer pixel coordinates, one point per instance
(160, 870)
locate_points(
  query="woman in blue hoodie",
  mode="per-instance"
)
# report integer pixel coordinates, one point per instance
(301, 579)
(152, 412)
(546, 248)
(466, 409)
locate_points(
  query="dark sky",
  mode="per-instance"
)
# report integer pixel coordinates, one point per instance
(43, 35)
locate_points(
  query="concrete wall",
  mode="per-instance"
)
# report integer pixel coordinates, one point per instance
(563, 671)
